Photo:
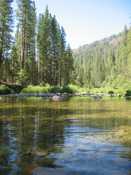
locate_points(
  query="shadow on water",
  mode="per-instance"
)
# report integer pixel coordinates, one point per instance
(72, 135)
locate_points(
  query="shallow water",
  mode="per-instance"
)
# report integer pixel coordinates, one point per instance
(77, 136)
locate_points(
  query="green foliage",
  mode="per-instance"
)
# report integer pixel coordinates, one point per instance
(5, 34)
(4, 90)
(36, 89)
(26, 38)
(71, 88)
(128, 93)
(105, 63)
(5, 27)
(108, 91)
(118, 82)
(111, 92)
(55, 89)
(67, 89)
(14, 64)
(46, 57)
(55, 57)
(52, 89)
(22, 77)
(74, 88)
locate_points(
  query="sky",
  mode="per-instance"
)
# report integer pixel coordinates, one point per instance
(86, 21)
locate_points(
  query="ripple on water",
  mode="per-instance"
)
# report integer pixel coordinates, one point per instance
(90, 154)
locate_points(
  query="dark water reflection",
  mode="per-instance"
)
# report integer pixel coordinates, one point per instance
(72, 135)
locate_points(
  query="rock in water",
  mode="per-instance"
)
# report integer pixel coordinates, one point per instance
(56, 98)
(59, 97)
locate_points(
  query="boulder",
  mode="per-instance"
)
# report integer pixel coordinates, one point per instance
(59, 97)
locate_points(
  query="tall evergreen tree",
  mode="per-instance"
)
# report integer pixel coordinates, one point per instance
(54, 55)
(68, 65)
(26, 37)
(44, 40)
(14, 64)
(5, 30)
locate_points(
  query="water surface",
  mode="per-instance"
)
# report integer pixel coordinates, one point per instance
(81, 137)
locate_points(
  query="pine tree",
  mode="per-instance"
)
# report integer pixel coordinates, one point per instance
(44, 43)
(27, 39)
(128, 69)
(14, 64)
(68, 65)
(5, 30)
(62, 56)
(55, 50)
(55, 58)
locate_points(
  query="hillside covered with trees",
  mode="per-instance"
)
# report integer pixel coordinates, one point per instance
(105, 63)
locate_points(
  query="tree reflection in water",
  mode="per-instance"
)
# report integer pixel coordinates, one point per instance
(38, 133)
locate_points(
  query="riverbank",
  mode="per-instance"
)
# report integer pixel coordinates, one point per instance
(63, 96)
(48, 91)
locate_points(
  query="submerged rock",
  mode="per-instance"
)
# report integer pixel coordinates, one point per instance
(49, 171)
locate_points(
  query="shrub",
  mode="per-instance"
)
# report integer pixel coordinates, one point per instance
(128, 93)
(111, 93)
(66, 89)
(74, 88)
(55, 89)
(35, 89)
(4, 90)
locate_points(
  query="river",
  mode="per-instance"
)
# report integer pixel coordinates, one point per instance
(75, 137)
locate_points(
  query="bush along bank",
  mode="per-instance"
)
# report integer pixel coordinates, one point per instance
(4, 90)
(76, 90)
(73, 90)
